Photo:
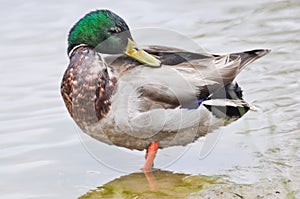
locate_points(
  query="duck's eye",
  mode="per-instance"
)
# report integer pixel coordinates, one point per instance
(114, 30)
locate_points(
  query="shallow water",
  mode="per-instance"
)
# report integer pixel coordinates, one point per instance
(44, 155)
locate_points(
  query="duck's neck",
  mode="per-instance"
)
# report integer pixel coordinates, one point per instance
(89, 84)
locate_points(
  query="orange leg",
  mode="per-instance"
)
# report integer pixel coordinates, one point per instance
(150, 156)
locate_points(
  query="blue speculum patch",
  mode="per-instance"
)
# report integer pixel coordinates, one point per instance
(200, 101)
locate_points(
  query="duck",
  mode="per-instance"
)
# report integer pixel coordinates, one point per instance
(150, 97)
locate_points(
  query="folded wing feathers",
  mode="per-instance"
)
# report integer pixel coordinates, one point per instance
(215, 72)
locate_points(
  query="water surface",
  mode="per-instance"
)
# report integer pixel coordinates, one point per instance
(41, 150)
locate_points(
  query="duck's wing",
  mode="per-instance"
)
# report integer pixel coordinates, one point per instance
(207, 72)
(173, 56)
(167, 98)
(184, 78)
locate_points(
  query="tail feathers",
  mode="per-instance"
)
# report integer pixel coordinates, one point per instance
(229, 91)
(248, 57)
(227, 102)
(225, 108)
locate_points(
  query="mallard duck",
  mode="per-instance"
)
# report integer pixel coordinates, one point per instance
(147, 98)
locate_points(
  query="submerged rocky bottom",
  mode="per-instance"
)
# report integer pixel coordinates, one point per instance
(165, 184)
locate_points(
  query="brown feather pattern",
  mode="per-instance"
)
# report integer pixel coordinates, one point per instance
(86, 87)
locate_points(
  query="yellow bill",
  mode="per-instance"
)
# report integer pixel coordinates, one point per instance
(140, 55)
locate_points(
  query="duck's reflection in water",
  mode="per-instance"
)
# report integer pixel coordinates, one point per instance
(166, 184)
(151, 180)
(153, 184)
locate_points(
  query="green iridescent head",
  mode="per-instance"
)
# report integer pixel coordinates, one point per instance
(106, 32)
(102, 30)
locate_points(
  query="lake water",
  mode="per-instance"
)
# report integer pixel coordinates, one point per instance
(44, 155)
